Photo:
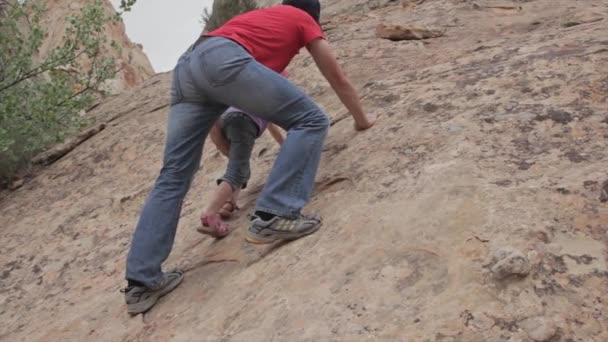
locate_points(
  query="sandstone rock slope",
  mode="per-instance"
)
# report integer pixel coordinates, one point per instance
(471, 212)
(134, 64)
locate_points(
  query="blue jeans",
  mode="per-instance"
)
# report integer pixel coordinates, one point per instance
(209, 77)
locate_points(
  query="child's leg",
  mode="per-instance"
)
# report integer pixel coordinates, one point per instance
(230, 206)
(235, 195)
(241, 133)
(222, 194)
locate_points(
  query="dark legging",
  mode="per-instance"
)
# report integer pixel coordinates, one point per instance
(241, 132)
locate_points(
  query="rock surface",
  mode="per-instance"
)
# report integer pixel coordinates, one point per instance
(472, 149)
(134, 63)
(398, 32)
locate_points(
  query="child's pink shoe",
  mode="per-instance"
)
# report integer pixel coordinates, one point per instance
(214, 226)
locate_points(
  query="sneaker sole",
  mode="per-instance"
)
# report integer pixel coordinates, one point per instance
(262, 240)
(146, 305)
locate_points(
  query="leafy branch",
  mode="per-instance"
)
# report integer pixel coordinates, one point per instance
(41, 96)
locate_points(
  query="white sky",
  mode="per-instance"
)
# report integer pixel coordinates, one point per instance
(164, 27)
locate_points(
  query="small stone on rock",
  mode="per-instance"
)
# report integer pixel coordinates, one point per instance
(539, 328)
(508, 261)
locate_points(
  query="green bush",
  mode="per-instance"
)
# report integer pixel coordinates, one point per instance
(224, 10)
(41, 98)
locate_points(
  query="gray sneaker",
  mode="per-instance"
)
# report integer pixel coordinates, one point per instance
(140, 299)
(280, 228)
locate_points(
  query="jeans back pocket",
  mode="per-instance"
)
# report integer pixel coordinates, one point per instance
(221, 64)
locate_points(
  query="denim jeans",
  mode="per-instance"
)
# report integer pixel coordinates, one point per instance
(209, 77)
(241, 132)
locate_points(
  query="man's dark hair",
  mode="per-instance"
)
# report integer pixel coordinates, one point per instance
(312, 7)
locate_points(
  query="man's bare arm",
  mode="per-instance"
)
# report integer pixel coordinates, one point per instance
(328, 65)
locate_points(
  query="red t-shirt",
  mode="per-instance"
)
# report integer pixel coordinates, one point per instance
(274, 35)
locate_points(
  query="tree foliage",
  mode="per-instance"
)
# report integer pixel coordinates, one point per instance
(41, 96)
(224, 10)
(127, 5)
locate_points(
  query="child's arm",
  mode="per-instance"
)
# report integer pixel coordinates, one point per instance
(218, 139)
(276, 133)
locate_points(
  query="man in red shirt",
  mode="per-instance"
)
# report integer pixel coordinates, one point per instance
(238, 65)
